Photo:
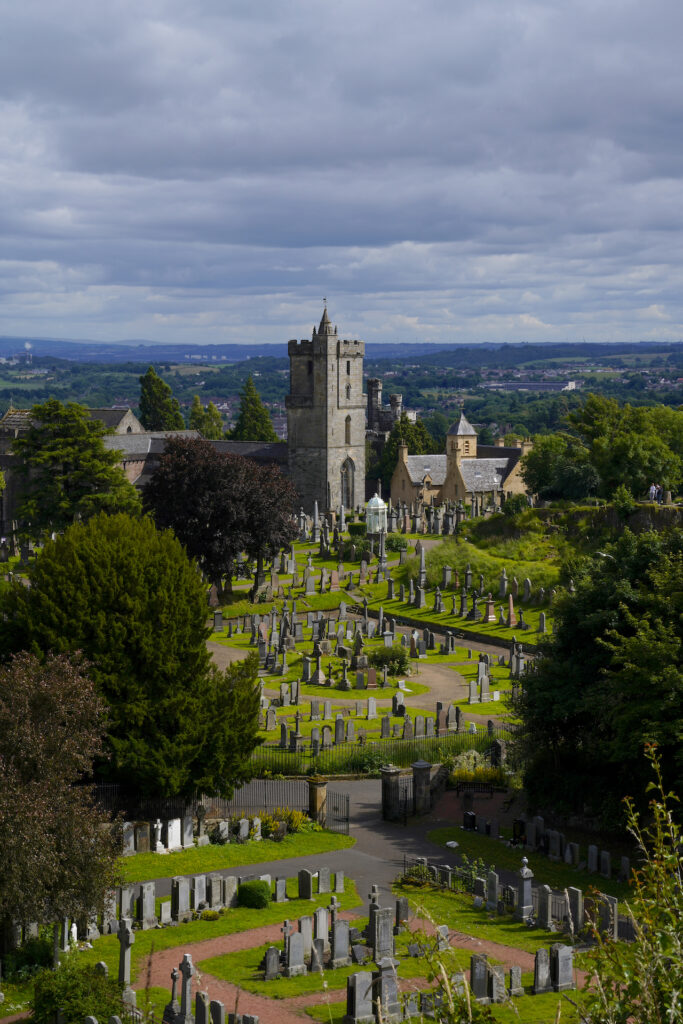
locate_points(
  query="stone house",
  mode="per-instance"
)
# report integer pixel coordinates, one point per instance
(467, 468)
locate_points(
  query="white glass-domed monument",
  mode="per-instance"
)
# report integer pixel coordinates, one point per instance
(376, 516)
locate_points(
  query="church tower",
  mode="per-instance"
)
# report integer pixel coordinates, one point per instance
(326, 419)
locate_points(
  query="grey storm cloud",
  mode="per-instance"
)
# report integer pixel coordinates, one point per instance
(188, 170)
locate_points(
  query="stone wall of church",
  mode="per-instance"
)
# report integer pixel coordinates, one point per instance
(326, 420)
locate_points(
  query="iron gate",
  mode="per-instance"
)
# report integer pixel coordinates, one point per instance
(337, 812)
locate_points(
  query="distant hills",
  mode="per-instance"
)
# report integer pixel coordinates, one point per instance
(147, 352)
(137, 352)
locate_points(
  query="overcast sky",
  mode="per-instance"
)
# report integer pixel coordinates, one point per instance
(207, 170)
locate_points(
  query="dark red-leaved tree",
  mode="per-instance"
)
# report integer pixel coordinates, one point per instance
(220, 506)
(58, 860)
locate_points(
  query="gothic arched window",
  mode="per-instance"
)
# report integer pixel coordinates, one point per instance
(347, 430)
(347, 483)
(348, 390)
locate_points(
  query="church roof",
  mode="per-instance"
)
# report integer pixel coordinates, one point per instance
(462, 427)
(16, 420)
(420, 466)
(325, 327)
(484, 474)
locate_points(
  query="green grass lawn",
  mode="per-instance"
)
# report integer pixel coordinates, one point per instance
(445, 621)
(143, 867)
(237, 919)
(17, 995)
(547, 872)
(458, 912)
(242, 968)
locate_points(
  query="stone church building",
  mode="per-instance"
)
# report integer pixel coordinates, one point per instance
(467, 468)
(326, 419)
(327, 432)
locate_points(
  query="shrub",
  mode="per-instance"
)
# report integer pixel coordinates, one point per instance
(216, 836)
(357, 530)
(514, 504)
(32, 956)
(296, 821)
(254, 894)
(395, 658)
(75, 991)
(623, 501)
(395, 542)
(210, 915)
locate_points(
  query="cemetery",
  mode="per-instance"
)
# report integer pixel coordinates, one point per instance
(508, 914)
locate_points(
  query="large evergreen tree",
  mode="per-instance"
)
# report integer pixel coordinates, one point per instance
(159, 410)
(68, 474)
(610, 679)
(58, 858)
(253, 421)
(126, 595)
(207, 421)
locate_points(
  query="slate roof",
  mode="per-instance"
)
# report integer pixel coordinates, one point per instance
(15, 419)
(139, 446)
(484, 474)
(462, 427)
(110, 417)
(421, 465)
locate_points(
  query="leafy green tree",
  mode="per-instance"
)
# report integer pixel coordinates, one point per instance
(208, 422)
(58, 859)
(253, 420)
(126, 595)
(67, 472)
(159, 410)
(641, 982)
(414, 435)
(609, 680)
(631, 446)
(558, 466)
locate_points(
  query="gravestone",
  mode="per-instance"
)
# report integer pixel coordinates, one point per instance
(385, 990)
(516, 988)
(146, 906)
(317, 956)
(126, 937)
(272, 963)
(324, 880)
(214, 891)
(280, 890)
(561, 967)
(305, 879)
(359, 999)
(382, 933)
(340, 944)
(576, 910)
(542, 982)
(294, 964)
(479, 978)
(180, 899)
(306, 932)
(229, 891)
(321, 926)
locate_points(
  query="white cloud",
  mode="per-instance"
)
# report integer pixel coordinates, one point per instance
(192, 170)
